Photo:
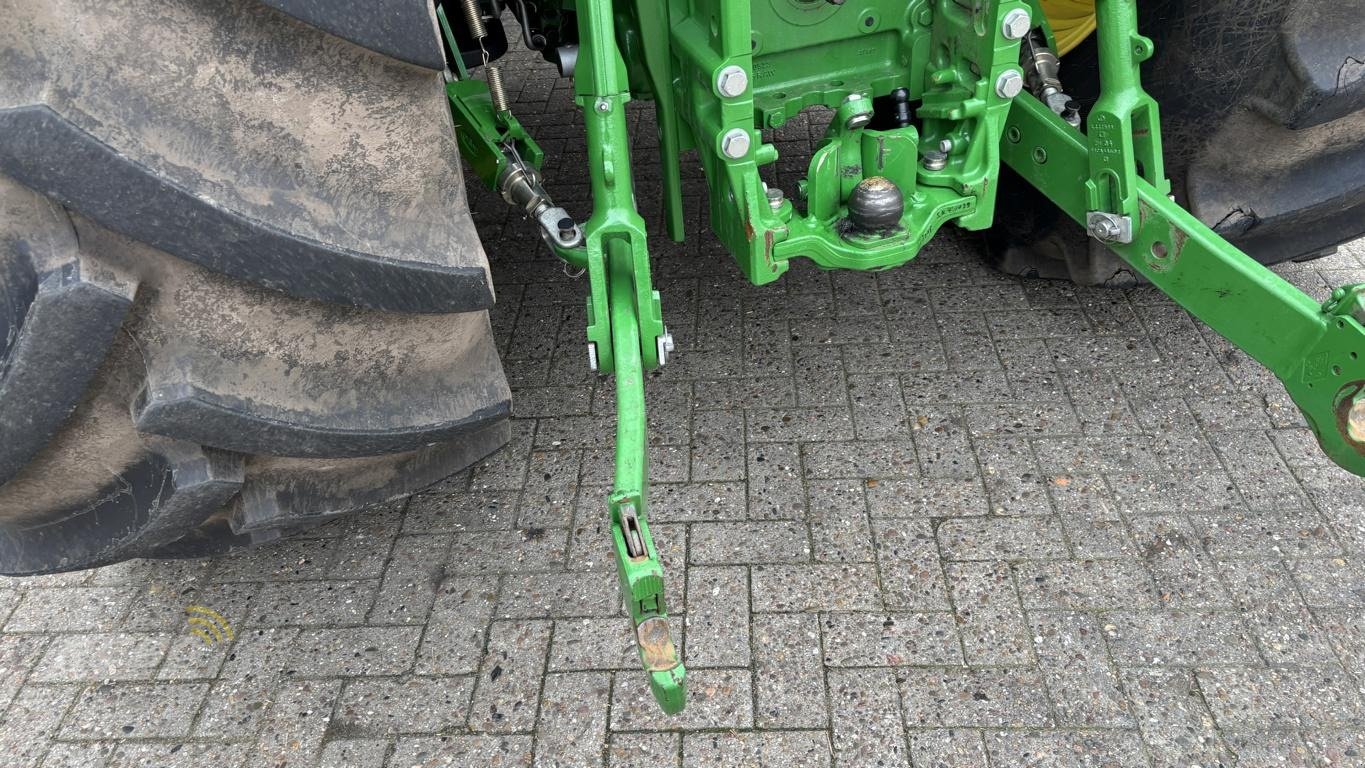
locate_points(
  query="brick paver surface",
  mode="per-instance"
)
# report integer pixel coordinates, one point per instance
(928, 517)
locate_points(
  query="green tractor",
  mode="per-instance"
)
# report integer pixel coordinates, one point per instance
(241, 291)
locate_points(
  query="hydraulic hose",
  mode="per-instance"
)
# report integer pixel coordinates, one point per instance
(1072, 21)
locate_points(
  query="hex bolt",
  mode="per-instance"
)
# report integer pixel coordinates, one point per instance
(732, 81)
(1017, 23)
(1009, 84)
(735, 143)
(946, 146)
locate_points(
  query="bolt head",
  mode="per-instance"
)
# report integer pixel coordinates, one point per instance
(1017, 23)
(862, 117)
(1355, 422)
(775, 197)
(935, 160)
(664, 346)
(1009, 84)
(735, 143)
(1104, 229)
(732, 81)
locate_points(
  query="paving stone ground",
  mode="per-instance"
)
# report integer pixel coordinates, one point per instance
(931, 517)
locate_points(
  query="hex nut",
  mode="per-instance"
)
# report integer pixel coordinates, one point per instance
(1016, 25)
(1009, 84)
(735, 143)
(732, 81)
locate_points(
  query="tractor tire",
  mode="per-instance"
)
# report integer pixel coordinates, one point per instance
(240, 288)
(1263, 121)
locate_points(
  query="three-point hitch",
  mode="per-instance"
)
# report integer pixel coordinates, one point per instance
(956, 89)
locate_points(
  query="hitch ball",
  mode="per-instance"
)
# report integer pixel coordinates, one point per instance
(875, 205)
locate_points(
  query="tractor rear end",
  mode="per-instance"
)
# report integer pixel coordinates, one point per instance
(940, 109)
(241, 292)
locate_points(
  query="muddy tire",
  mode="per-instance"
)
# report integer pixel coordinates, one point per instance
(1263, 120)
(240, 290)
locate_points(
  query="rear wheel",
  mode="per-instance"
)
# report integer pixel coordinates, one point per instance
(1263, 120)
(240, 290)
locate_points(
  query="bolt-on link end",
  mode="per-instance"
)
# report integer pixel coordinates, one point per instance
(520, 185)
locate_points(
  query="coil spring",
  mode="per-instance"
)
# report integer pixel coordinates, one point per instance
(496, 90)
(474, 18)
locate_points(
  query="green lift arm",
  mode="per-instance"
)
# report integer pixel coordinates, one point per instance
(1314, 349)
(958, 89)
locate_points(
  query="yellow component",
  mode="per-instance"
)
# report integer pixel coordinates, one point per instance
(1072, 21)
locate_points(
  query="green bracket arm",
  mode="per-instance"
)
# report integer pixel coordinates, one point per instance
(1315, 350)
(484, 134)
(1116, 170)
(626, 337)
